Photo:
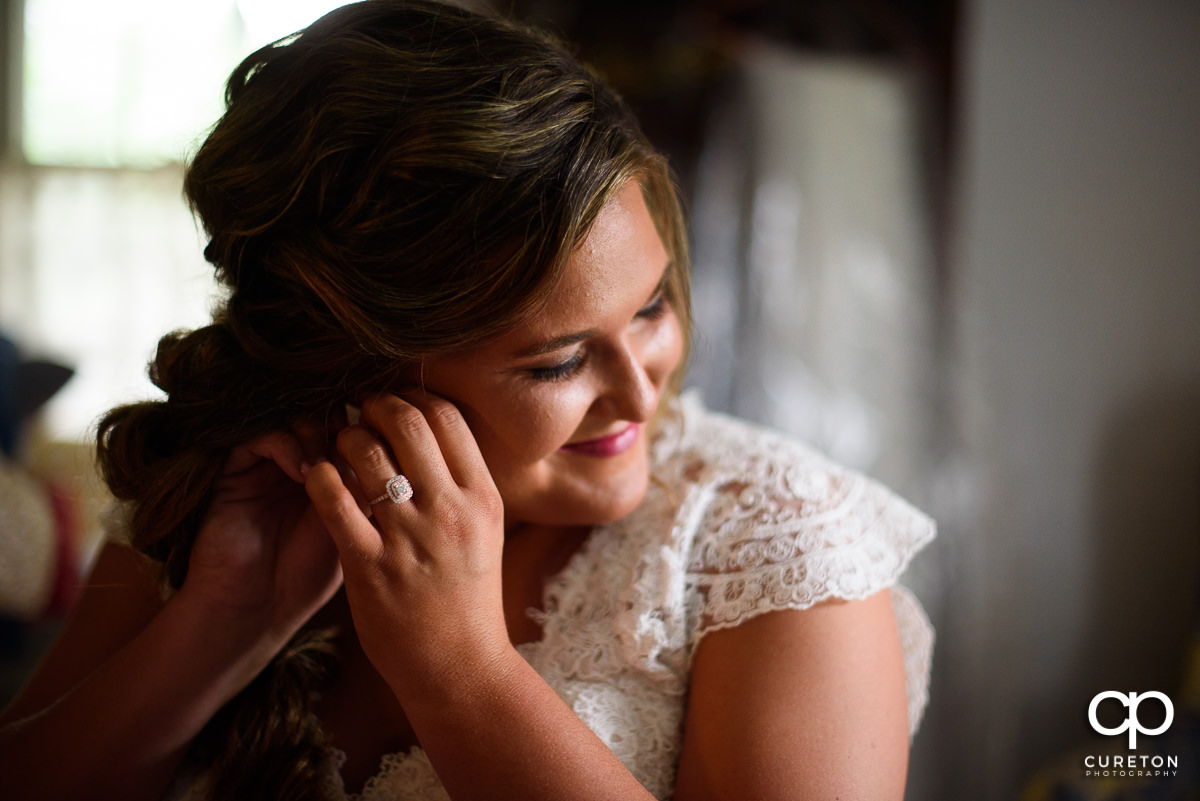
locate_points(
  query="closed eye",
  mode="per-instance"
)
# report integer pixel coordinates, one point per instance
(561, 371)
(654, 310)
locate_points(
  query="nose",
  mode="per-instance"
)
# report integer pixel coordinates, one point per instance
(631, 389)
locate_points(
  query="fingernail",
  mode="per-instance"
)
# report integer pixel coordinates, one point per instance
(307, 466)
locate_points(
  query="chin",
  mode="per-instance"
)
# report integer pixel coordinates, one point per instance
(586, 500)
(611, 497)
(619, 497)
(619, 504)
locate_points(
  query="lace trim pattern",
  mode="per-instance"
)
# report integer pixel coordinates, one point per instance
(759, 553)
(402, 777)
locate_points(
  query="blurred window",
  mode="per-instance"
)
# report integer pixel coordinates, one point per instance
(99, 256)
(135, 83)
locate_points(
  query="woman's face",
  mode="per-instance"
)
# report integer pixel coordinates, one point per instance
(559, 405)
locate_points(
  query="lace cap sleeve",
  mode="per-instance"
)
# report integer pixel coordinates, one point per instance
(778, 526)
(784, 528)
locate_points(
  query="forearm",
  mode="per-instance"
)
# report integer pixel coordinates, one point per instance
(509, 735)
(122, 732)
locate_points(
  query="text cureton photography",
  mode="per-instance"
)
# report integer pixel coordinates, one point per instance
(1130, 765)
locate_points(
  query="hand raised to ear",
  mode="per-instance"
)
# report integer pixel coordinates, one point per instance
(423, 577)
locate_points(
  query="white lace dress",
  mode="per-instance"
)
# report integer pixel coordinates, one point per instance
(738, 521)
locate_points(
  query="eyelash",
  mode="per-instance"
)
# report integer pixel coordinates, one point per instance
(654, 310)
(560, 372)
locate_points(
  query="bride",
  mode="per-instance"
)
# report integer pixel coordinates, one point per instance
(423, 514)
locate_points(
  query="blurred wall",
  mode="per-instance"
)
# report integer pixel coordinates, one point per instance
(1077, 303)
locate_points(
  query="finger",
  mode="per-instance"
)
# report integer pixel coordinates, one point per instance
(408, 434)
(279, 446)
(350, 479)
(458, 446)
(372, 466)
(353, 534)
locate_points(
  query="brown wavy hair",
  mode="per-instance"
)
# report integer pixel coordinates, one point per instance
(399, 179)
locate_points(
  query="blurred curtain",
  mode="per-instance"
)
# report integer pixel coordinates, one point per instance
(813, 267)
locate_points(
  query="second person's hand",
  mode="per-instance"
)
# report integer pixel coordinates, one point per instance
(262, 557)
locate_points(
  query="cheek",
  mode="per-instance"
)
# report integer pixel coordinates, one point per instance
(532, 426)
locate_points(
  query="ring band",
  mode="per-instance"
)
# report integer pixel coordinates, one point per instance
(399, 490)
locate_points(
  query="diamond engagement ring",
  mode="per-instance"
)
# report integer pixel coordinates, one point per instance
(398, 491)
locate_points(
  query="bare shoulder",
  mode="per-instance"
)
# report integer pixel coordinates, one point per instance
(120, 596)
(799, 704)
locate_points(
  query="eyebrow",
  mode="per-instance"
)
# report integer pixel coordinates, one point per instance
(566, 340)
(557, 343)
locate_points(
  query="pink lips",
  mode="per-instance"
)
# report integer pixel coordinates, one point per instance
(611, 445)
